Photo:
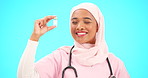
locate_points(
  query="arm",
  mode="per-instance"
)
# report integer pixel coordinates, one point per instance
(26, 65)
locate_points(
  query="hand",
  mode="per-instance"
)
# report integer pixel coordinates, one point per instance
(40, 27)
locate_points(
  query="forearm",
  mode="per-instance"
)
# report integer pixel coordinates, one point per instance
(26, 65)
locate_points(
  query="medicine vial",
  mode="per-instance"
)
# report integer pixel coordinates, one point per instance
(55, 21)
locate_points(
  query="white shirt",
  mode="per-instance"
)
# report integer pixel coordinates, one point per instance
(26, 67)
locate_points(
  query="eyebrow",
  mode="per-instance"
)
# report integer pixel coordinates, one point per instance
(83, 18)
(74, 18)
(87, 18)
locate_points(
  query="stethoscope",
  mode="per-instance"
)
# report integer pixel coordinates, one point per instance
(71, 67)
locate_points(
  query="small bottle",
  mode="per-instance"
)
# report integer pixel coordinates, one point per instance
(55, 21)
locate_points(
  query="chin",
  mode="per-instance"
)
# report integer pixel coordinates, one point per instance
(81, 41)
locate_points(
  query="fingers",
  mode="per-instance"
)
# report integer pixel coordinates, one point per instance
(48, 18)
(42, 22)
(46, 29)
(50, 28)
(37, 24)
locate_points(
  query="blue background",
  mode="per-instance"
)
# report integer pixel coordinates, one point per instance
(126, 31)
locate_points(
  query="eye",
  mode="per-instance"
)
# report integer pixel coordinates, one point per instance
(87, 22)
(74, 22)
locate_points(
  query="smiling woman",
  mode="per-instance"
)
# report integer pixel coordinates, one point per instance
(89, 57)
(83, 26)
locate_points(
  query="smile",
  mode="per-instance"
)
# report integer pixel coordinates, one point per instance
(81, 34)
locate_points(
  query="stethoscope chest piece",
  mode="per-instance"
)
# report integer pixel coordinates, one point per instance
(111, 76)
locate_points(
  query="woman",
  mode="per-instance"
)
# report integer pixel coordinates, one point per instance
(88, 58)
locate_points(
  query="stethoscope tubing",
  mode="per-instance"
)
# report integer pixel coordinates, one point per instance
(75, 71)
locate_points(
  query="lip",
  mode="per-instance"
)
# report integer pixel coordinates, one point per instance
(81, 33)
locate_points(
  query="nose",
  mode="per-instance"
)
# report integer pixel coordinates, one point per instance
(80, 26)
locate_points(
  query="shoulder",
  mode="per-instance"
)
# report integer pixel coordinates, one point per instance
(56, 55)
(114, 58)
(115, 61)
(64, 50)
(117, 66)
(53, 59)
(59, 54)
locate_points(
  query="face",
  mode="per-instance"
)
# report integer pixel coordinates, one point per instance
(83, 26)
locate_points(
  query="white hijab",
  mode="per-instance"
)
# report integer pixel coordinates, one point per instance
(86, 54)
(89, 54)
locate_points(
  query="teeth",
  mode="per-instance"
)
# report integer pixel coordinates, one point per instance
(81, 33)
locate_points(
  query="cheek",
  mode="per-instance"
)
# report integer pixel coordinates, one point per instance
(92, 30)
(72, 29)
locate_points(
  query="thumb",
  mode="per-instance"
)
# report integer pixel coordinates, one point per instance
(50, 28)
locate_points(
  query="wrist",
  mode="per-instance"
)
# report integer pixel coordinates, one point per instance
(34, 37)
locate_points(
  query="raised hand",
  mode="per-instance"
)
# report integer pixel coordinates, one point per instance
(40, 27)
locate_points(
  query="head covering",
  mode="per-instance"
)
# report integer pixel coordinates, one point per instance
(91, 54)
